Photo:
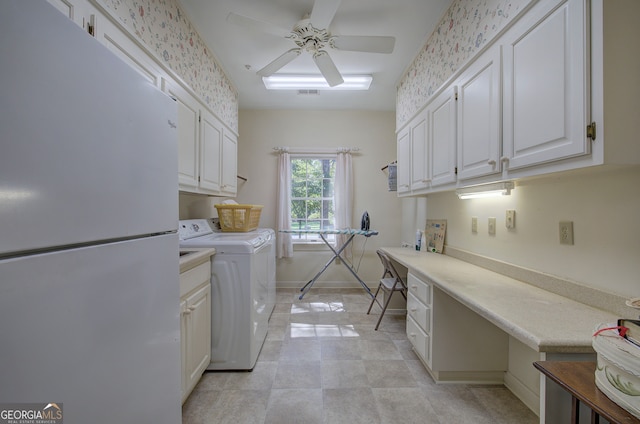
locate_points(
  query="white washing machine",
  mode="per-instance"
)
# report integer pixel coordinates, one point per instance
(243, 290)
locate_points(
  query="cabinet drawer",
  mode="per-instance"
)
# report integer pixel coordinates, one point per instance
(420, 289)
(419, 339)
(419, 312)
(191, 279)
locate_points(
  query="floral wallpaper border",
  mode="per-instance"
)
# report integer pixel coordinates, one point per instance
(467, 26)
(164, 28)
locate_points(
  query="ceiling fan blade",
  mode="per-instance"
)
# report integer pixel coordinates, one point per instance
(323, 13)
(328, 68)
(256, 25)
(282, 60)
(363, 43)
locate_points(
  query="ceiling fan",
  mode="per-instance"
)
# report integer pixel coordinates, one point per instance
(311, 34)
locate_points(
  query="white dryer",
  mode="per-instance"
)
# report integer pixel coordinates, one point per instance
(243, 291)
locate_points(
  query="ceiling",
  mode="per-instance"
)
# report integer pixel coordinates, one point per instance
(241, 52)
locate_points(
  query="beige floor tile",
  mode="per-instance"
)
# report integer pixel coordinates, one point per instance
(323, 362)
(293, 374)
(340, 374)
(389, 373)
(404, 405)
(350, 406)
(294, 406)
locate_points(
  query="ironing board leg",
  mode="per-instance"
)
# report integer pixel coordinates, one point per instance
(336, 255)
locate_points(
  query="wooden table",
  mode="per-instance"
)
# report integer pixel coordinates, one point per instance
(578, 378)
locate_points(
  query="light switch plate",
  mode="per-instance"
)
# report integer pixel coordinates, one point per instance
(474, 224)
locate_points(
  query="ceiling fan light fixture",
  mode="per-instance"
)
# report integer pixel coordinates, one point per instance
(315, 82)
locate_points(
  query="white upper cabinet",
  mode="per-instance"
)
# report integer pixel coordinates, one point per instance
(479, 117)
(188, 136)
(442, 138)
(427, 147)
(210, 148)
(419, 150)
(545, 85)
(229, 163)
(404, 161)
(123, 46)
(206, 148)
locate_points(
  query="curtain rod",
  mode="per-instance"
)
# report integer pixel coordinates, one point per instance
(315, 150)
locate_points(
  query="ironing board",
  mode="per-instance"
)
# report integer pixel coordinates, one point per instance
(351, 232)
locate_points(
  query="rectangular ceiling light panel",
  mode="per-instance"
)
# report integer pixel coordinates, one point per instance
(315, 82)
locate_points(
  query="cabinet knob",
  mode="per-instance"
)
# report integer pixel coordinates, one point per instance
(414, 287)
(492, 163)
(414, 309)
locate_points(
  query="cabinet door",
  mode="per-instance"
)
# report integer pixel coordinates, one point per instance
(545, 106)
(404, 160)
(442, 138)
(419, 160)
(210, 149)
(126, 49)
(188, 133)
(79, 11)
(229, 163)
(479, 112)
(199, 332)
(184, 340)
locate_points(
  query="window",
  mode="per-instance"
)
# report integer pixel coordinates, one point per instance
(312, 202)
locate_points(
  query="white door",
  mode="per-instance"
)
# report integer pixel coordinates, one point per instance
(479, 117)
(419, 161)
(442, 138)
(404, 160)
(210, 149)
(229, 163)
(545, 106)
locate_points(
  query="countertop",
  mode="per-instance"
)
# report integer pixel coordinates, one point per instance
(195, 258)
(544, 321)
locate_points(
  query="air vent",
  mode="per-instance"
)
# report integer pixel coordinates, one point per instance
(309, 92)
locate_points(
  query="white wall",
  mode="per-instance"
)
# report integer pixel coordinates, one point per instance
(604, 206)
(372, 131)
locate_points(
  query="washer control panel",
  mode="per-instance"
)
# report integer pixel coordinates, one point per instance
(190, 228)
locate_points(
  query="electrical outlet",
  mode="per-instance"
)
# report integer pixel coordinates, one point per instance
(492, 226)
(474, 224)
(566, 232)
(510, 219)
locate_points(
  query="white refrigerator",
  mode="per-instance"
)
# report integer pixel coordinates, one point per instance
(89, 296)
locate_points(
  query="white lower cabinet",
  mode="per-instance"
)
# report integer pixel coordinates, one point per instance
(419, 317)
(454, 343)
(195, 324)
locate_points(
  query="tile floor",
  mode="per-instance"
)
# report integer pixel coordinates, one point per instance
(323, 362)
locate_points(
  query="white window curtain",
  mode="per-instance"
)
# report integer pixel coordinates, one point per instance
(343, 196)
(284, 244)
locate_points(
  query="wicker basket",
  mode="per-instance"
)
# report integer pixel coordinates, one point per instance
(239, 218)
